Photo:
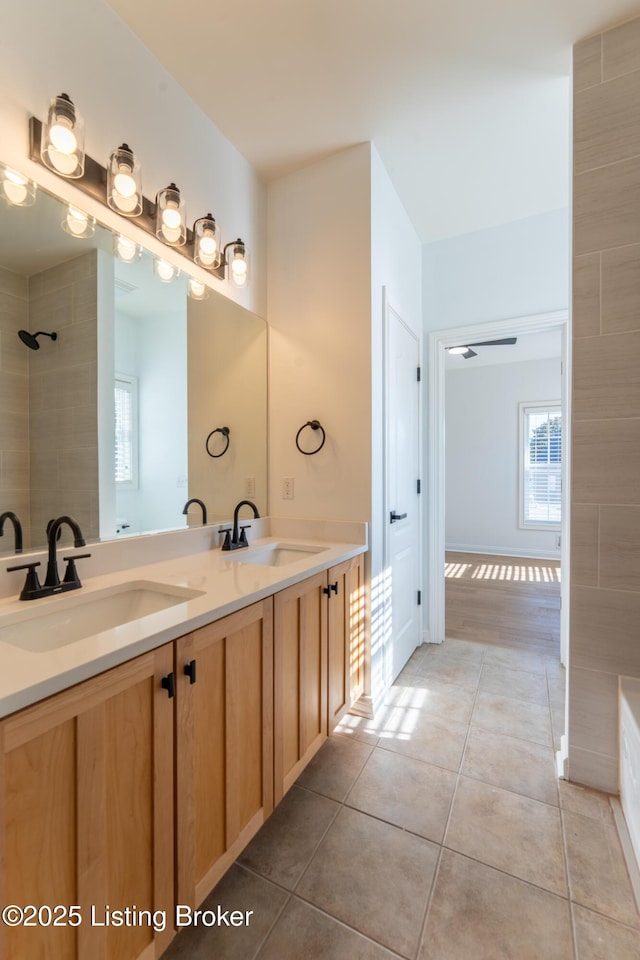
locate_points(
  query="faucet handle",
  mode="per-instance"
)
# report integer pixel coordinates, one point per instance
(71, 574)
(243, 537)
(32, 584)
(227, 537)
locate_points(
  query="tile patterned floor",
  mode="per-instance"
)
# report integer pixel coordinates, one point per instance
(437, 831)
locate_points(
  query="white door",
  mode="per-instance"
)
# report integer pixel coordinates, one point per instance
(402, 500)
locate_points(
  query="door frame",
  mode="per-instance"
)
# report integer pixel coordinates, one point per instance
(439, 340)
(387, 306)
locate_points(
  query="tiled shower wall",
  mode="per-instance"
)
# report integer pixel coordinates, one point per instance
(14, 402)
(63, 398)
(605, 494)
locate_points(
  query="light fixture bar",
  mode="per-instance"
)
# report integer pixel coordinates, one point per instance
(94, 184)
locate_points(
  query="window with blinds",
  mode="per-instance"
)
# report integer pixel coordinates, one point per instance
(540, 465)
(126, 431)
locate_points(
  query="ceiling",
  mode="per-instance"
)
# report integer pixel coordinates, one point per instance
(466, 102)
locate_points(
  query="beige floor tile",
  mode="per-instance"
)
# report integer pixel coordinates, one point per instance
(283, 847)
(304, 932)
(515, 659)
(517, 765)
(359, 728)
(464, 673)
(478, 913)
(515, 718)
(589, 803)
(408, 793)
(597, 873)
(600, 939)
(514, 683)
(424, 737)
(373, 877)
(238, 890)
(521, 836)
(467, 650)
(447, 700)
(335, 767)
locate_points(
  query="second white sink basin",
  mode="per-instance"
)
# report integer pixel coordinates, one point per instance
(277, 554)
(74, 617)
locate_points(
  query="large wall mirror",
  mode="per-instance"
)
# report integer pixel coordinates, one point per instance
(144, 398)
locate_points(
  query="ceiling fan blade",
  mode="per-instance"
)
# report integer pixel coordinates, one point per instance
(505, 342)
(469, 353)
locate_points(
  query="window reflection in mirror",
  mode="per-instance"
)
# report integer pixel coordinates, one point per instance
(197, 365)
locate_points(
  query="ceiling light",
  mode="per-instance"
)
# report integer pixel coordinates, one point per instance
(171, 216)
(17, 190)
(197, 289)
(206, 241)
(62, 144)
(458, 350)
(124, 186)
(125, 249)
(165, 271)
(79, 224)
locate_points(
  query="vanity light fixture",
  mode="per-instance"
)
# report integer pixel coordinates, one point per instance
(165, 271)
(236, 261)
(79, 224)
(458, 350)
(206, 243)
(171, 223)
(126, 250)
(197, 290)
(62, 143)
(124, 185)
(16, 189)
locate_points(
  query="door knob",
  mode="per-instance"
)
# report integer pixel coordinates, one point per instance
(396, 516)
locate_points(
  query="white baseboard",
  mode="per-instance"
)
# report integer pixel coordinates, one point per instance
(503, 551)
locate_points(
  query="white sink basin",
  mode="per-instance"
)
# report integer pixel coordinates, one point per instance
(68, 619)
(277, 554)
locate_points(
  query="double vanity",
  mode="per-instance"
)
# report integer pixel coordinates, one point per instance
(153, 719)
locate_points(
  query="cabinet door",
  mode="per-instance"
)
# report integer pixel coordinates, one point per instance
(224, 750)
(346, 638)
(86, 809)
(300, 678)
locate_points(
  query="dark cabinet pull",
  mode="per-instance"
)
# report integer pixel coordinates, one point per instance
(190, 671)
(326, 591)
(169, 684)
(396, 516)
(334, 587)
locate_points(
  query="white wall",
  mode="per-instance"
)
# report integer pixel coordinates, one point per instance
(337, 235)
(82, 48)
(513, 270)
(482, 456)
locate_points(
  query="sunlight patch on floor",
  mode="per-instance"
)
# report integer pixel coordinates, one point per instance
(514, 572)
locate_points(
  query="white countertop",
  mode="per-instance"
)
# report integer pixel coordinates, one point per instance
(226, 583)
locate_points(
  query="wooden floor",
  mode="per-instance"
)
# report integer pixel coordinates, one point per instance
(505, 601)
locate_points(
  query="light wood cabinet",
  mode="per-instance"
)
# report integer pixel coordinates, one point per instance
(345, 638)
(86, 813)
(224, 744)
(300, 678)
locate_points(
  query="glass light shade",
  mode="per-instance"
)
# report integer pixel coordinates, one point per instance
(238, 272)
(16, 189)
(458, 350)
(124, 184)
(79, 224)
(165, 271)
(206, 240)
(62, 145)
(171, 217)
(126, 250)
(197, 289)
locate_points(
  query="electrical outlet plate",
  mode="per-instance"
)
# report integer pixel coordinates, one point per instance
(250, 487)
(287, 488)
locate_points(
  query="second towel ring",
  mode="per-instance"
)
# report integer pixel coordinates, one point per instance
(315, 425)
(225, 433)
